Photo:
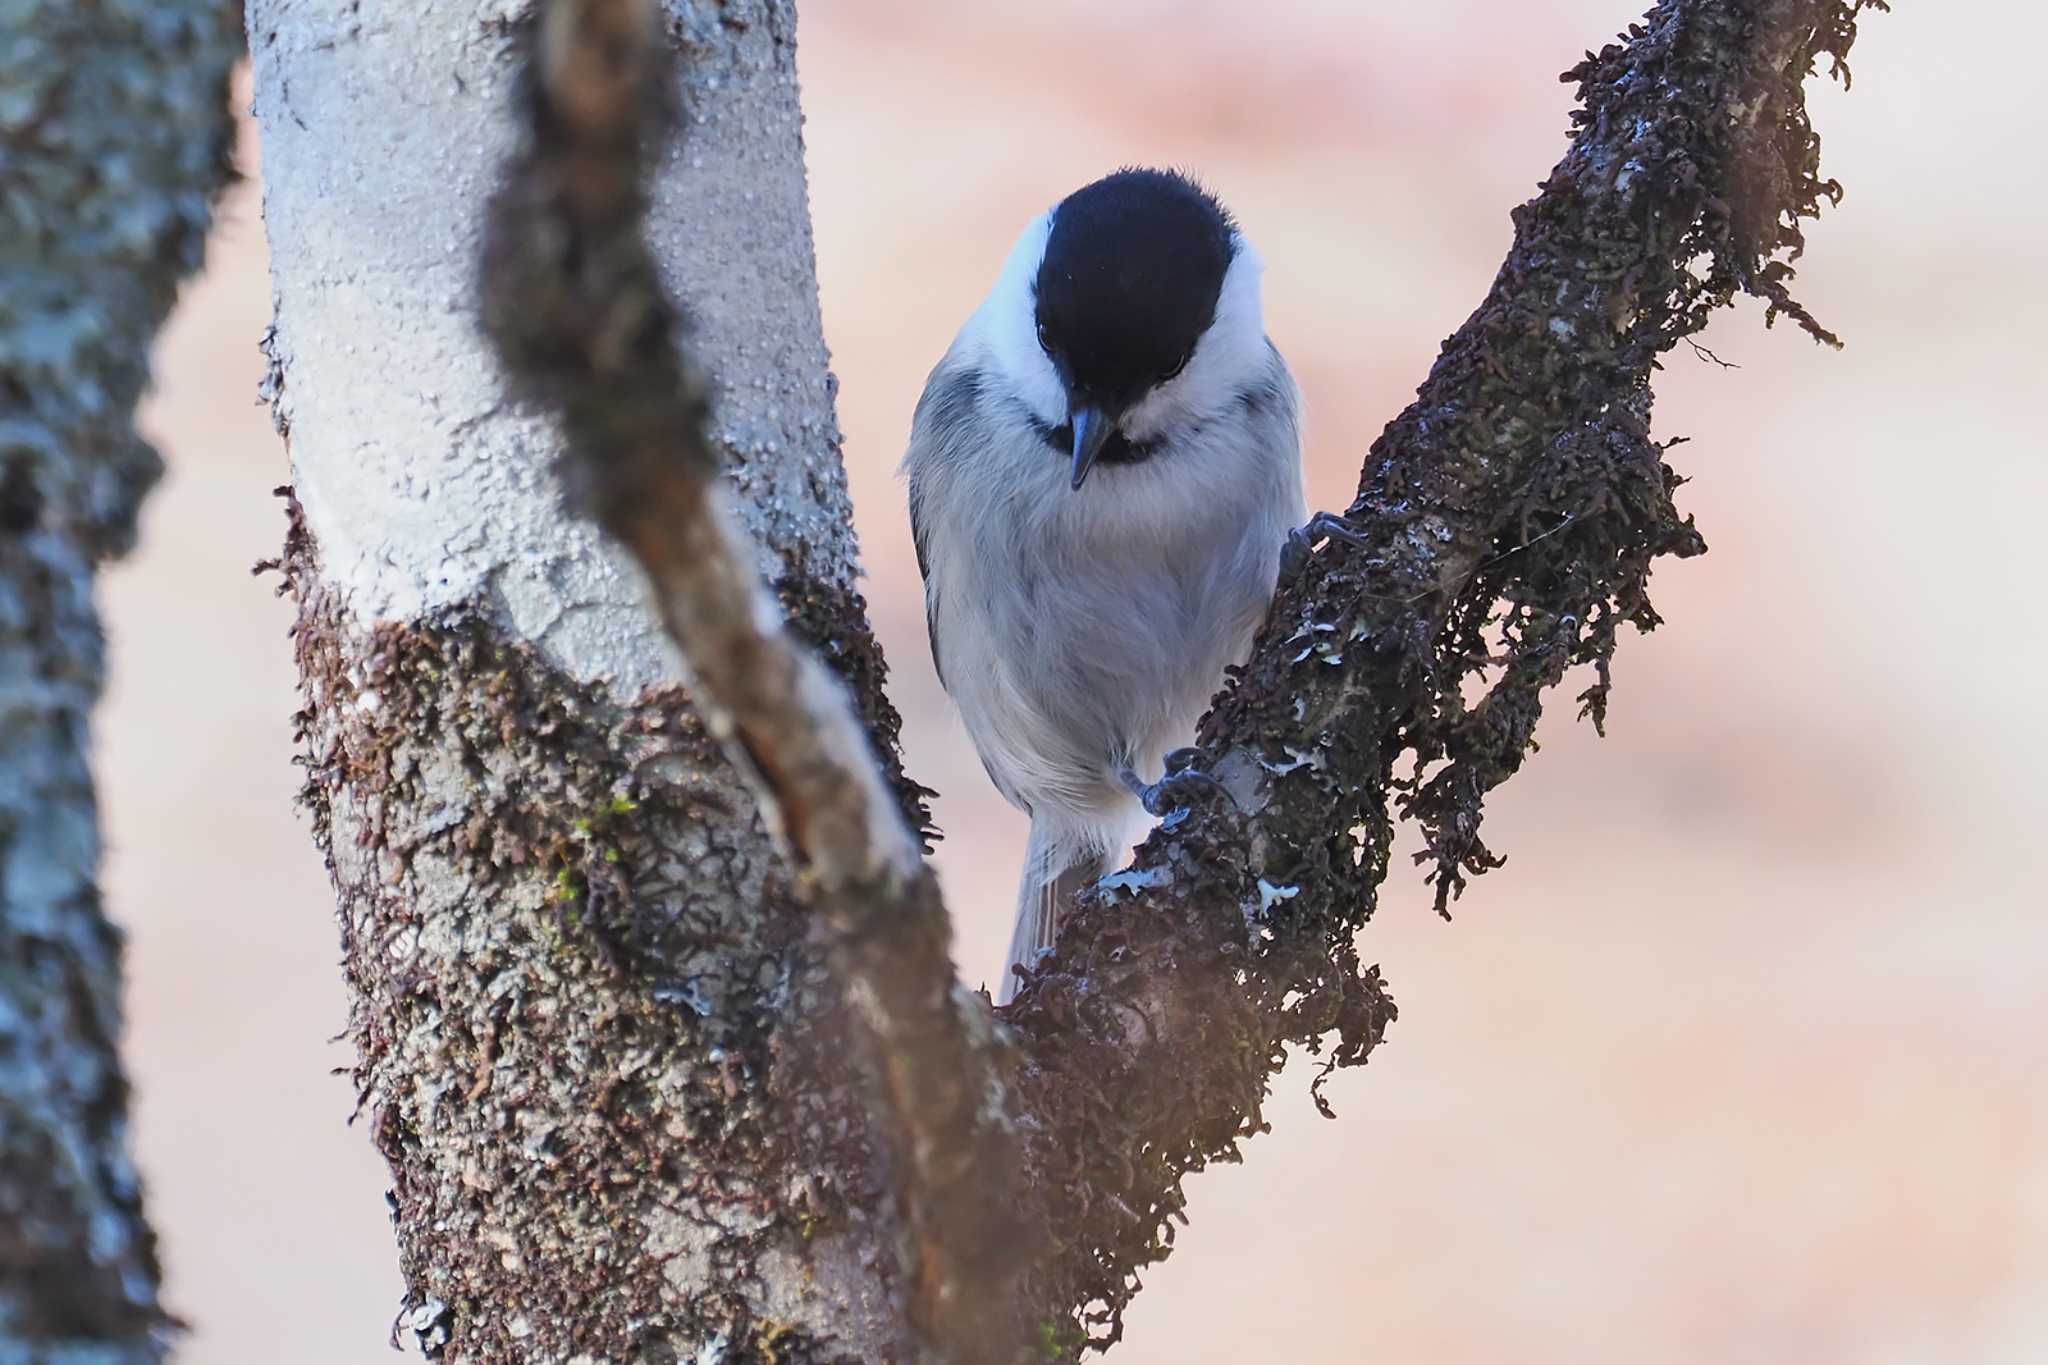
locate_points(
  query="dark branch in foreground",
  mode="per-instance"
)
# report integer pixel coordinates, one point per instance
(1518, 505)
(574, 304)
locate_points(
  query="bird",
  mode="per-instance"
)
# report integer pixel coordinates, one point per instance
(1102, 472)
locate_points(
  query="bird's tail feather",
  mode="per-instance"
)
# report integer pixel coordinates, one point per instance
(1052, 875)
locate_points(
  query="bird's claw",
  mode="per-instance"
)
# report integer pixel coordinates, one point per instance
(1182, 785)
(1301, 541)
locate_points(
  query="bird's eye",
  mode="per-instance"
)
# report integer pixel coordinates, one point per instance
(1177, 367)
(1044, 339)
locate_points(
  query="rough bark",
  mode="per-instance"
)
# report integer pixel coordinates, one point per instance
(114, 138)
(594, 1042)
(595, 1039)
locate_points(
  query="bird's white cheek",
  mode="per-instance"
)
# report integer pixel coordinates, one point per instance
(1024, 370)
(1007, 329)
(1161, 410)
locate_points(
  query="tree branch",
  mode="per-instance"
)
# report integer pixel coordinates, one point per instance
(575, 306)
(1516, 508)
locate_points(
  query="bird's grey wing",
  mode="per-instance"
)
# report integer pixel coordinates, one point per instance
(920, 535)
(945, 414)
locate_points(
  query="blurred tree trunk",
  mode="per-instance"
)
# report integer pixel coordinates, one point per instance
(114, 137)
(581, 990)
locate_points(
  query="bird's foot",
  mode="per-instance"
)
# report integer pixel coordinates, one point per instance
(1182, 785)
(1301, 540)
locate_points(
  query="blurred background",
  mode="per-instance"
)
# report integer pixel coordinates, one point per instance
(1744, 1055)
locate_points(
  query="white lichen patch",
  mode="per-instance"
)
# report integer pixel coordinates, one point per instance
(1271, 895)
(1131, 882)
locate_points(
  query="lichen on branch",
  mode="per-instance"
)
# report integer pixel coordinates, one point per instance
(1513, 512)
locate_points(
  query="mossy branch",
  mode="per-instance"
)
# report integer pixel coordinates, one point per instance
(1515, 509)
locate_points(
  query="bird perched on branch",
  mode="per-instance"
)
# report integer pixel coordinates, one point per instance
(1102, 471)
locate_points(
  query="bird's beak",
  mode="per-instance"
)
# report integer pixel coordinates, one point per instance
(1092, 429)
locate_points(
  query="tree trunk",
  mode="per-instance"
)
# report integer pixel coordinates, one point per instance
(588, 1021)
(599, 1053)
(114, 138)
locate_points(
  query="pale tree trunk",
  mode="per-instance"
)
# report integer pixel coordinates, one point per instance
(114, 139)
(630, 1113)
(580, 990)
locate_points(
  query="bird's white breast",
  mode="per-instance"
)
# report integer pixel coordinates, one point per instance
(1080, 628)
(1083, 629)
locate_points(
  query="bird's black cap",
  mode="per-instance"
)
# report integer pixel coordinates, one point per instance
(1129, 283)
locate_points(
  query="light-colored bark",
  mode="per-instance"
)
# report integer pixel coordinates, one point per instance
(593, 1040)
(384, 127)
(114, 136)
